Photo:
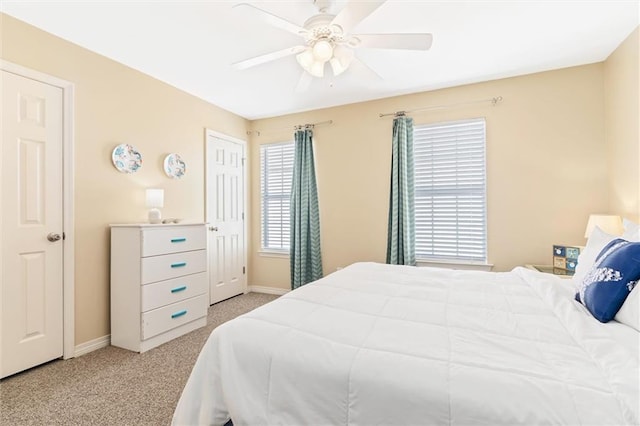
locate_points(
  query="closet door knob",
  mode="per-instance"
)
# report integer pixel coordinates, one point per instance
(53, 237)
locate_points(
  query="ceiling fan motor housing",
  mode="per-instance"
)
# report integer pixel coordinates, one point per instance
(319, 28)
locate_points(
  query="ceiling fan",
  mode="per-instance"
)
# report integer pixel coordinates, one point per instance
(328, 39)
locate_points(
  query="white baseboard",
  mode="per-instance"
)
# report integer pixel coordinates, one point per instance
(92, 345)
(268, 290)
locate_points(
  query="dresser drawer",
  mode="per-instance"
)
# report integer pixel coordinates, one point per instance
(163, 319)
(171, 291)
(173, 239)
(161, 268)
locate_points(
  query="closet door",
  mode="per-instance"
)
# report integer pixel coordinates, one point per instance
(31, 224)
(225, 217)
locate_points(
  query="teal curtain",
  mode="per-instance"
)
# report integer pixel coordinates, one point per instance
(402, 229)
(306, 261)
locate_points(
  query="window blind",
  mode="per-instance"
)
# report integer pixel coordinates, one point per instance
(276, 171)
(450, 191)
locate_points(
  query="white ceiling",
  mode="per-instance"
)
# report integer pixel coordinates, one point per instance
(192, 44)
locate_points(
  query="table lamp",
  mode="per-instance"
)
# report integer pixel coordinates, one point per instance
(155, 199)
(611, 224)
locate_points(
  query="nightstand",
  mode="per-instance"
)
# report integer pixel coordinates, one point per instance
(549, 269)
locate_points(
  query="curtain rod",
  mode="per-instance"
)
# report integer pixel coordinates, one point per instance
(311, 125)
(493, 101)
(298, 127)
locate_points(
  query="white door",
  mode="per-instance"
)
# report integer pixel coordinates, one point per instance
(31, 223)
(225, 217)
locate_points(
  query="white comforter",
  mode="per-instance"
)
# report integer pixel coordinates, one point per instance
(376, 344)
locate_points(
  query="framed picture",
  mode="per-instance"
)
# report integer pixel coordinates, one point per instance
(565, 257)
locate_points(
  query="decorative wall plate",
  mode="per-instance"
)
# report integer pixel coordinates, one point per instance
(174, 167)
(126, 159)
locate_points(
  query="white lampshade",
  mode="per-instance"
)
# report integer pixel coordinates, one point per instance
(611, 224)
(155, 199)
(314, 58)
(305, 59)
(322, 50)
(342, 57)
(316, 69)
(308, 62)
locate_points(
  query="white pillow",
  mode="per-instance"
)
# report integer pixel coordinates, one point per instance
(631, 230)
(596, 242)
(628, 224)
(629, 313)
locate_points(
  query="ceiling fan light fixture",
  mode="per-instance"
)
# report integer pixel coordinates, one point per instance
(341, 60)
(306, 58)
(316, 69)
(322, 50)
(310, 64)
(337, 67)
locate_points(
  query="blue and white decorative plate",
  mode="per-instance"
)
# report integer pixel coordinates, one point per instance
(126, 159)
(174, 167)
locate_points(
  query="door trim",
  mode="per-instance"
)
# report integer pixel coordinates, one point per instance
(207, 202)
(68, 220)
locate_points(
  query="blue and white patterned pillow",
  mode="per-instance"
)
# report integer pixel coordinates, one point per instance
(614, 274)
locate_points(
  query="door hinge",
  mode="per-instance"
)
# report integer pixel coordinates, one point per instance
(242, 215)
(243, 270)
(64, 236)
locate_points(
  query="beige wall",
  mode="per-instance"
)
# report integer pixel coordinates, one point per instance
(622, 127)
(545, 145)
(115, 104)
(545, 174)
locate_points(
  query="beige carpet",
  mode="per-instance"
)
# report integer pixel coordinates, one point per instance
(113, 386)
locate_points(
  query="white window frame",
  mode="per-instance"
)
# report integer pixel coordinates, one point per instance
(461, 252)
(287, 156)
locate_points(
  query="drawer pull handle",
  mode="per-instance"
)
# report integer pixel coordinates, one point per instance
(177, 289)
(178, 265)
(178, 240)
(179, 313)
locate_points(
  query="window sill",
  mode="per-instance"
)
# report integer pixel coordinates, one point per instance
(273, 253)
(452, 264)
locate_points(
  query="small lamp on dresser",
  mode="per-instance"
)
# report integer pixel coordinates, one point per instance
(155, 200)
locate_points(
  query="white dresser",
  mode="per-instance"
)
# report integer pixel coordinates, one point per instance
(159, 283)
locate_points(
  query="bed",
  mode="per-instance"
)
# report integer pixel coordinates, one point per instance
(376, 344)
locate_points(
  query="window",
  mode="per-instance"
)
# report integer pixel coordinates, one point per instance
(276, 171)
(450, 196)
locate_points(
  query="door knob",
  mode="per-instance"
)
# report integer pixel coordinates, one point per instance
(53, 237)
(213, 228)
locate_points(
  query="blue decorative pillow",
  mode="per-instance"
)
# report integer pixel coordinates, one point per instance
(612, 277)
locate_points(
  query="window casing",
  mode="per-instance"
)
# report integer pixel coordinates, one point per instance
(276, 171)
(450, 191)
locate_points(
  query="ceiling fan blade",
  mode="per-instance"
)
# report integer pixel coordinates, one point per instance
(252, 62)
(304, 83)
(354, 12)
(395, 41)
(363, 70)
(271, 19)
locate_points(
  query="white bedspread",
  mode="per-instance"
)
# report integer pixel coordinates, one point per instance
(376, 344)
